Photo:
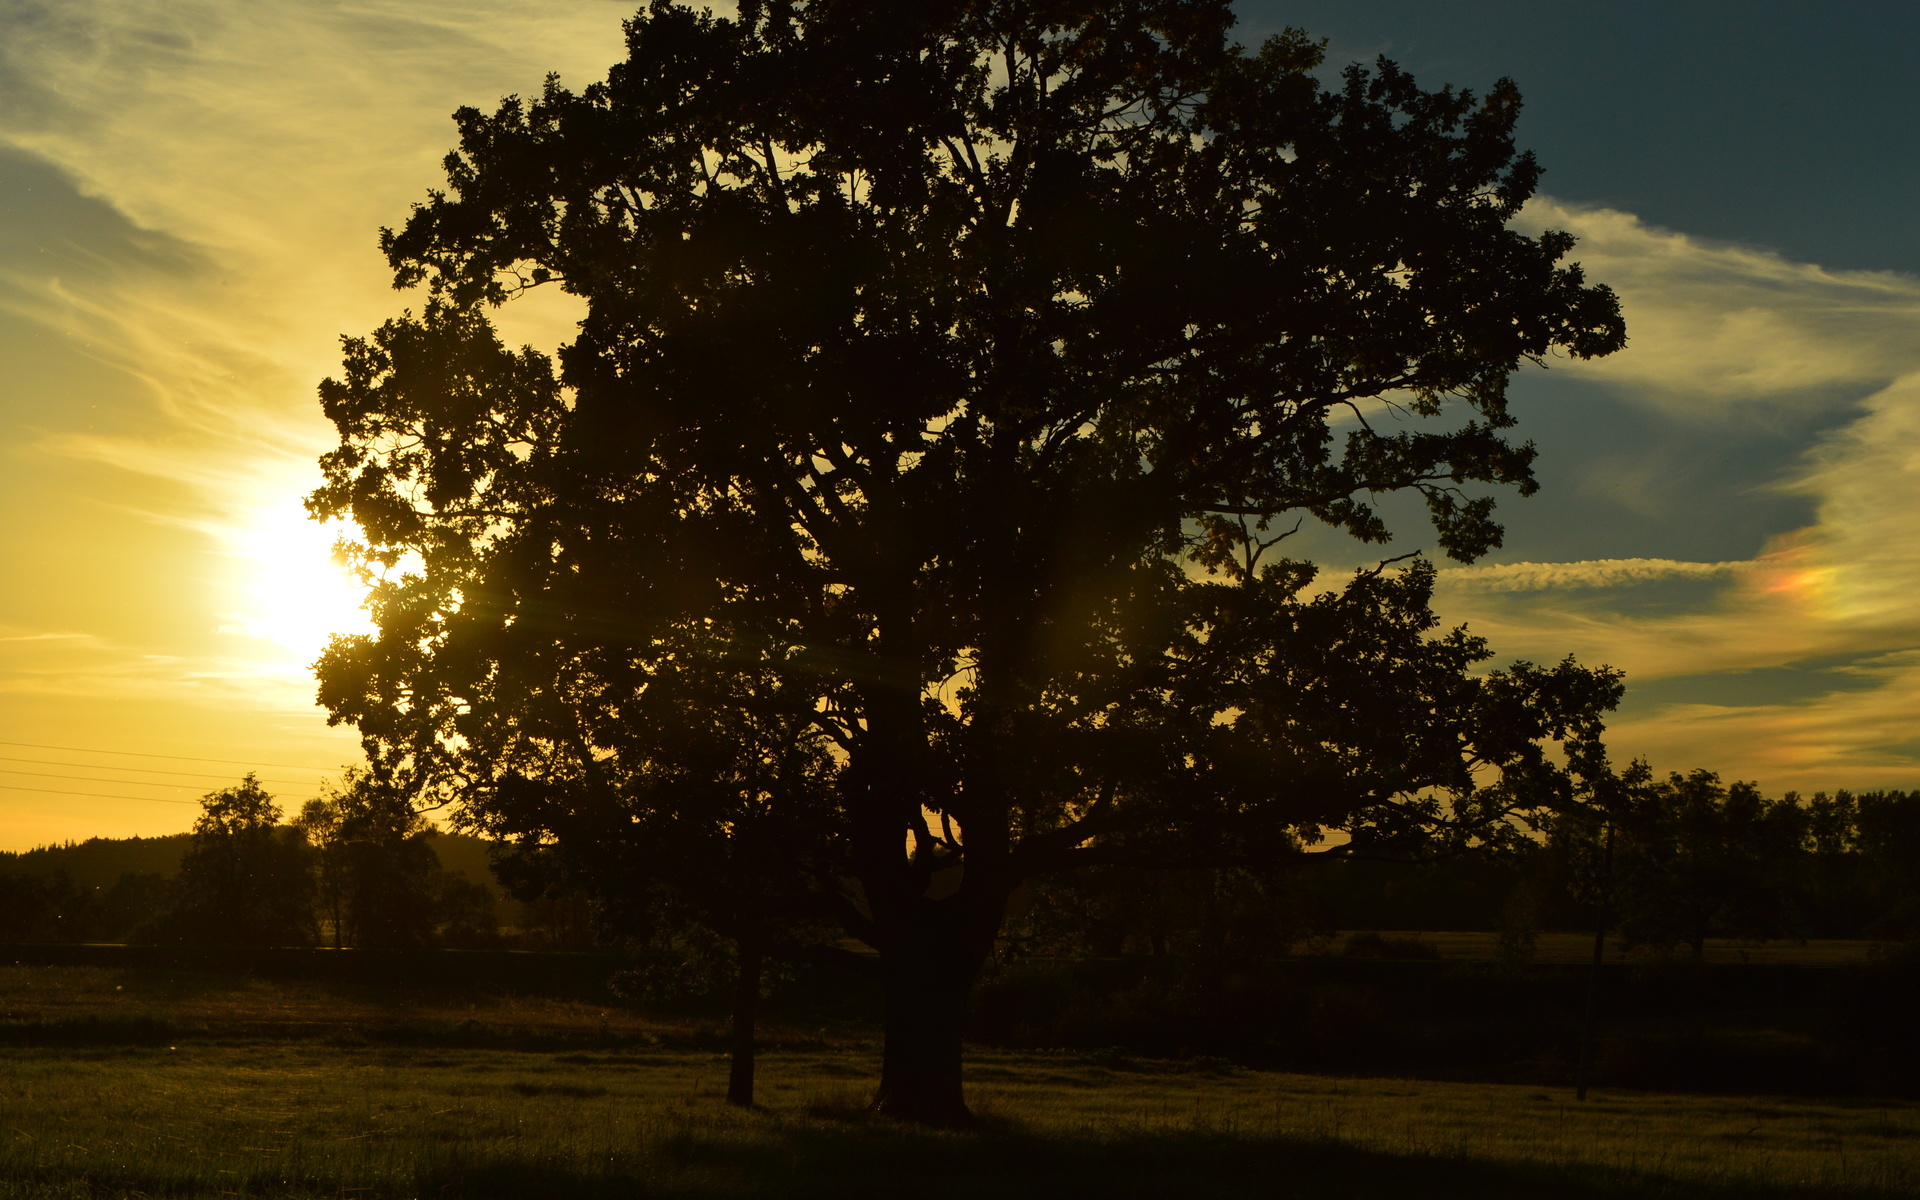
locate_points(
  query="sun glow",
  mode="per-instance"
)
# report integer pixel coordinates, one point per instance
(296, 595)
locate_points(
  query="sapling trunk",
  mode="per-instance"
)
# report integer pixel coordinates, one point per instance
(746, 1003)
(1593, 975)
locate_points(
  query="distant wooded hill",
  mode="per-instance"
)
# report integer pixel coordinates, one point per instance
(113, 889)
(100, 862)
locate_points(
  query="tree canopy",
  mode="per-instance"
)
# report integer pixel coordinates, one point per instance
(375, 865)
(244, 878)
(950, 379)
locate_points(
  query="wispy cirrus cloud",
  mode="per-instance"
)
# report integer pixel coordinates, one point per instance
(1589, 573)
(1860, 734)
(1811, 646)
(1713, 326)
(208, 179)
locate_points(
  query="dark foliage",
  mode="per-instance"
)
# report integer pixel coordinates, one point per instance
(42, 908)
(1696, 858)
(712, 822)
(1219, 913)
(376, 866)
(948, 372)
(95, 891)
(469, 918)
(1734, 1029)
(1886, 841)
(244, 880)
(97, 862)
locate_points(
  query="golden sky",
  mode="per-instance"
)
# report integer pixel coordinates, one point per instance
(189, 197)
(190, 194)
(1797, 665)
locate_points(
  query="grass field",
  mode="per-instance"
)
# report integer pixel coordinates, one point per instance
(77, 999)
(299, 1090)
(1553, 947)
(293, 1119)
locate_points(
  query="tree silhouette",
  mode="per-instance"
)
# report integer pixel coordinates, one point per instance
(962, 366)
(709, 811)
(377, 869)
(319, 823)
(1886, 838)
(1698, 857)
(244, 879)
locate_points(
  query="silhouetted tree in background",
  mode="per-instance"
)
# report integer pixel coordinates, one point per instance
(1696, 857)
(377, 867)
(961, 366)
(1205, 914)
(1863, 873)
(42, 908)
(245, 879)
(469, 918)
(1887, 838)
(1844, 878)
(319, 824)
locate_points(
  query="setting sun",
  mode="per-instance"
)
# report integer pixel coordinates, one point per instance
(295, 594)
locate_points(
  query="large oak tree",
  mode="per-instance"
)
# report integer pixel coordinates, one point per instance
(950, 376)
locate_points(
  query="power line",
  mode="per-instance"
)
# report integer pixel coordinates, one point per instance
(232, 762)
(93, 795)
(8, 787)
(144, 770)
(135, 782)
(93, 779)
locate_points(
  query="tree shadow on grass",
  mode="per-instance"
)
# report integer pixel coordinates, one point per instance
(879, 1160)
(816, 1161)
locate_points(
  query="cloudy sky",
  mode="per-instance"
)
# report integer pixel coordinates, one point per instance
(189, 194)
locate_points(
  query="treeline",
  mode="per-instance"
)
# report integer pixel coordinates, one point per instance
(1676, 861)
(1690, 858)
(357, 867)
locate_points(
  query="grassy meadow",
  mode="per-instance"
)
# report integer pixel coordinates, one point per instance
(1579, 947)
(1558, 947)
(150, 1083)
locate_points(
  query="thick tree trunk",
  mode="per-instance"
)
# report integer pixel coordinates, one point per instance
(926, 1005)
(932, 938)
(932, 954)
(746, 1002)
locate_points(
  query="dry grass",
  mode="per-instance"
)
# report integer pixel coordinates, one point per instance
(302, 1119)
(1578, 948)
(236, 1004)
(307, 1090)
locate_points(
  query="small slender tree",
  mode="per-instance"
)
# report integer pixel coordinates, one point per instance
(700, 814)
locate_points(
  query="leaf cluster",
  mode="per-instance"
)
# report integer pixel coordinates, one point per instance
(944, 372)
